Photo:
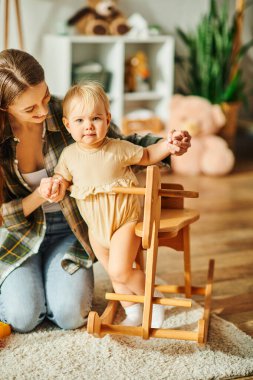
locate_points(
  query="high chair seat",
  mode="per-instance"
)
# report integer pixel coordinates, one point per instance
(172, 221)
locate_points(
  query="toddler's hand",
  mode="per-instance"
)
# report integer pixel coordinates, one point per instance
(52, 189)
(180, 140)
(55, 190)
(45, 188)
(58, 191)
(173, 148)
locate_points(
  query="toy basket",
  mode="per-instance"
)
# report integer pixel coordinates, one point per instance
(153, 124)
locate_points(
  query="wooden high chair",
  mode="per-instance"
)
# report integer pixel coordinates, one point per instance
(168, 226)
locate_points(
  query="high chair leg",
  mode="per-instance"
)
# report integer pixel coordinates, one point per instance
(187, 261)
(149, 285)
(204, 322)
(95, 322)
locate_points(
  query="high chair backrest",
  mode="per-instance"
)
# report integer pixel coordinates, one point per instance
(172, 203)
(152, 204)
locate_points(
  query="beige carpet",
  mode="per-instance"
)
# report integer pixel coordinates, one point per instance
(50, 353)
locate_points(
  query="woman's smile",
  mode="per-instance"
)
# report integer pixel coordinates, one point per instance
(39, 117)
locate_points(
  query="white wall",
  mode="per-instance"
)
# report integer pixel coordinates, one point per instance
(43, 16)
(46, 16)
(38, 17)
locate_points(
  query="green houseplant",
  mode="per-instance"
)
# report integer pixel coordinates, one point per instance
(211, 68)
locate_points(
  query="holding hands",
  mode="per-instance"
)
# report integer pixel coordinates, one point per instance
(53, 189)
(178, 142)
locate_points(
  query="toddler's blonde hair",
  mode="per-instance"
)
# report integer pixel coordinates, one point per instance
(89, 93)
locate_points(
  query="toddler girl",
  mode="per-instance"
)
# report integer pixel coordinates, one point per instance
(90, 168)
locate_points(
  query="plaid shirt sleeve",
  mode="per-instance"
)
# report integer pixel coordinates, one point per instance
(136, 139)
(12, 210)
(13, 216)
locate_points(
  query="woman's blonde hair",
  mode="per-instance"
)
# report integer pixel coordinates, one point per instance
(90, 93)
(18, 71)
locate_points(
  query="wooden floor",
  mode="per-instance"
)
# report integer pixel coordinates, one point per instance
(224, 232)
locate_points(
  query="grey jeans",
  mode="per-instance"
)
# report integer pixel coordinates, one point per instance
(41, 288)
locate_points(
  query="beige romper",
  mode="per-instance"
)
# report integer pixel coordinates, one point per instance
(93, 173)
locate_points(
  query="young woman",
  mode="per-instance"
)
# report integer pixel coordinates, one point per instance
(45, 254)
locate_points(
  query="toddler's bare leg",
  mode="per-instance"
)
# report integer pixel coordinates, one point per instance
(102, 255)
(123, 250)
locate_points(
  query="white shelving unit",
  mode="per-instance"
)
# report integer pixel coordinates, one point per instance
(61, 52)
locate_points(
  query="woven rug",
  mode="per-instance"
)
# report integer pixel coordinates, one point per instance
(50, 353)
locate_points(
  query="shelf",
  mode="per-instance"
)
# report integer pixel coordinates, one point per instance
(109, 39)
(60, 53)
(147, 95)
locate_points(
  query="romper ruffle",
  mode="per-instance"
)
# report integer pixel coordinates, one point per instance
(84, 192)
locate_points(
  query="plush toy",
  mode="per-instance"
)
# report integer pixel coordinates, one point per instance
(99, 17)
(137, 73)
(209, 154)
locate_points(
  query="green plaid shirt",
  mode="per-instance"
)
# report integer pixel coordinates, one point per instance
(20, 236)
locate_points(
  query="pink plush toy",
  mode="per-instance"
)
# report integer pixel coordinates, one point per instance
(209, 154)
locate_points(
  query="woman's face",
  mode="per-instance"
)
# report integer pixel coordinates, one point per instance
(32, 105)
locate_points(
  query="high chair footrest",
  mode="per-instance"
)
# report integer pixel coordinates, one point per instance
(155, 300)
(124, 297)
(176, 289)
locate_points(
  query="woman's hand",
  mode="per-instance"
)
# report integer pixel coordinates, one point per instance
(52, 189)
(181, 140)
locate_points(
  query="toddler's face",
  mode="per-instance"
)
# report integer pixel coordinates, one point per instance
(88, 127)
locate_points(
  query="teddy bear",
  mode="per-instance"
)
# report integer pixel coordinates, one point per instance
(99, 17)
(209, 154)
(137, 73)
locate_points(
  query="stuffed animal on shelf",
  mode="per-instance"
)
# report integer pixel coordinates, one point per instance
(137, 73)
(209, 153)
(99, 17)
